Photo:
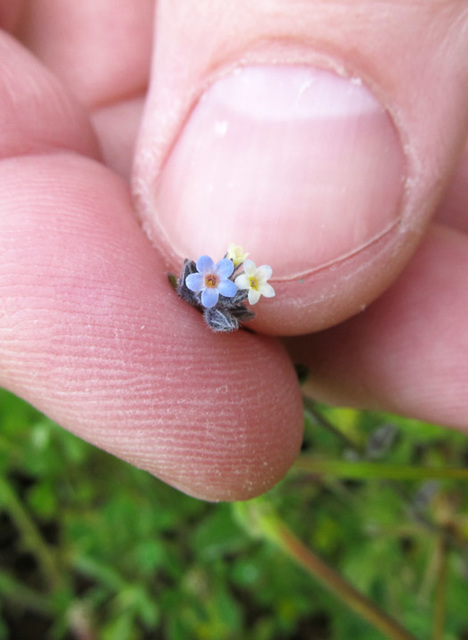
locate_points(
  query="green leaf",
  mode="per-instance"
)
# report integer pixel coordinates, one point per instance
(42, 499)
(218, 534)
(121, 627)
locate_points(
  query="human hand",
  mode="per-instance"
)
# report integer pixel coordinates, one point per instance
(90, 331)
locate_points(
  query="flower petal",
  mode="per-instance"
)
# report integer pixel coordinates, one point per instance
(227, 288)
(242, 281)
(249, 267)
(194, 282)
(254, 296)
(237, 254)
(224, 268)
(264, 272)
(267, 290)
(205, 264)
(209, 297)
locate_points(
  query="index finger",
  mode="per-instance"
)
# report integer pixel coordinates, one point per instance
(92, 333)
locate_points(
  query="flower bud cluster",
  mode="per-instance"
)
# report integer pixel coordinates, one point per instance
(221, 295)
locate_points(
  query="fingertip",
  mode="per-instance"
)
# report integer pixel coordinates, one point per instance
(313, 152)
(94, 336)
(408, 352)
(38, 114)
(10, 13)
(249, 432)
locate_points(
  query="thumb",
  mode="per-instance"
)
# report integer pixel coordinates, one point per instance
(317, 136)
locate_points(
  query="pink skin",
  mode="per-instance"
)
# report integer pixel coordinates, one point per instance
(89, 330)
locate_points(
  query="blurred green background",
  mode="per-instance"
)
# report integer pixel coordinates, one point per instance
(91, 548)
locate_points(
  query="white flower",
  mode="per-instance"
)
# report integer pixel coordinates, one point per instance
(255, 280)
(236, 254)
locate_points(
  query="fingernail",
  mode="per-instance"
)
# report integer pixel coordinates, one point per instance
(299, 166)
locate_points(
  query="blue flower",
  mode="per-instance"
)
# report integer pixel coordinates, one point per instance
(212, 279)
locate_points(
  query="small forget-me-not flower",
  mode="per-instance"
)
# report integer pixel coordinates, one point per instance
(212, 289)
(211, 280)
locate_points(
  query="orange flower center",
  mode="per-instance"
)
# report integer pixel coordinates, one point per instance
(211, 281)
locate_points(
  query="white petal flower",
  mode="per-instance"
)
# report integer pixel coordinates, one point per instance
(255, 280)
(236, 254)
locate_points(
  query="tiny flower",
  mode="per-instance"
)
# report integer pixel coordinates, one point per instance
(255, 280)
(212, 280)
(236, 254)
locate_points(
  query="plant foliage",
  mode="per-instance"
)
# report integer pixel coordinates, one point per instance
(92, 548)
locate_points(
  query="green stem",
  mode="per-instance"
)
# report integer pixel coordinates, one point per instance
(309, 405)
(30, 533)
(363, 470)
(440, 600)
(13, 591)
(268, 525)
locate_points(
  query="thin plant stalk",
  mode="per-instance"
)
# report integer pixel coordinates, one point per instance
(440, 599)
(12, 590)
(362, 470)
(392, 475)
(264, 523)
(309, 405)
(31, 536)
